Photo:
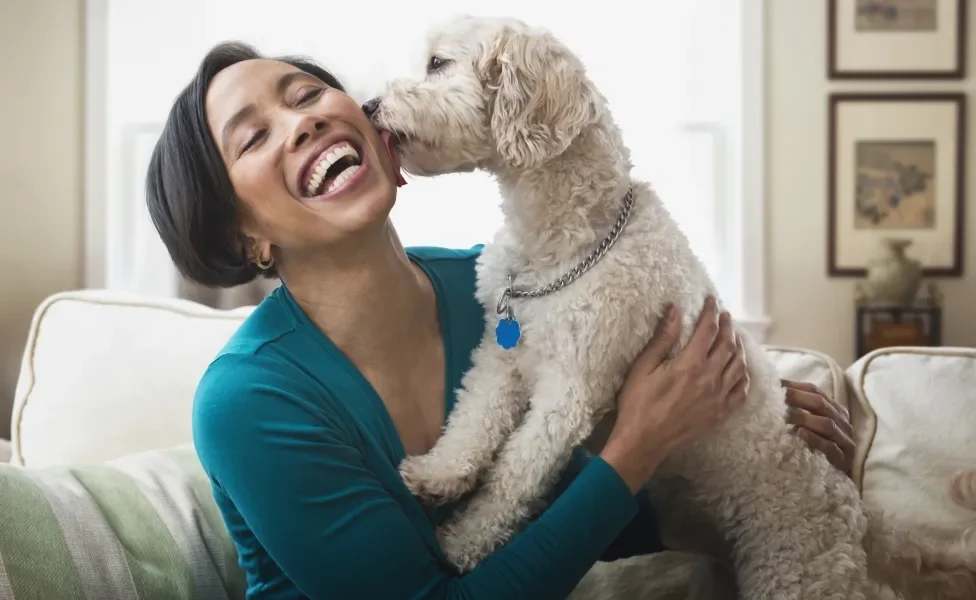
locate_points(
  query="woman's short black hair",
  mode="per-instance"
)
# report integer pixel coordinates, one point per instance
(188, 192)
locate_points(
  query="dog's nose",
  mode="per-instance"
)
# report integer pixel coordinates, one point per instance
(371, 106)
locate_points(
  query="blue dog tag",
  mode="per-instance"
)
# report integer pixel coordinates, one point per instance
(507, 333)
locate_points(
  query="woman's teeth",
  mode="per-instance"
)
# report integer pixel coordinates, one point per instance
(342, 178)
(340, 152)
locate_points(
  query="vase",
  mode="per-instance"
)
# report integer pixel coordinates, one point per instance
(894, 278)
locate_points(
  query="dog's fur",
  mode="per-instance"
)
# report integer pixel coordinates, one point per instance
(962, 489)
(513, 101)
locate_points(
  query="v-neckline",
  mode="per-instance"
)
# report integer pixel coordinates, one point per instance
(443, 320)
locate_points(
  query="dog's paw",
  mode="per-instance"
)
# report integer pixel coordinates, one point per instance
(486, 524)
(437, 481)
(466, 546)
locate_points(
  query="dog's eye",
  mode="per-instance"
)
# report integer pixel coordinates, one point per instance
(436, 63)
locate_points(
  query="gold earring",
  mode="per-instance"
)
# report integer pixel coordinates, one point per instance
(264, 265)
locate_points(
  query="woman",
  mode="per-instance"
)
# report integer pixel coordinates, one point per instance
(350, 365)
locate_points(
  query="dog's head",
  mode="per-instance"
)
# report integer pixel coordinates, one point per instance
(496, 94)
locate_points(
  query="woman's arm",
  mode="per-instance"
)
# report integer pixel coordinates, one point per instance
(330, 524)
(641, 536)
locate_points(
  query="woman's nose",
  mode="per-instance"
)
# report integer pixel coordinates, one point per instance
(305, 129)
(371, 106)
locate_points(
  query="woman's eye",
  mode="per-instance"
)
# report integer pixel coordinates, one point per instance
(310, 95)
(251, 141)
(436, 63)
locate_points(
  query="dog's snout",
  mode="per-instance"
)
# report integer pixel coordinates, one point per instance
(371, 106)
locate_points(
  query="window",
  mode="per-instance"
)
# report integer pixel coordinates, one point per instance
(683, 80)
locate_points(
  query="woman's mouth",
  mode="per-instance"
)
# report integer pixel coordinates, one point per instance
(332, 170)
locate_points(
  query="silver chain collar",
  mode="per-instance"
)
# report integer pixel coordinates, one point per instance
(504, 303)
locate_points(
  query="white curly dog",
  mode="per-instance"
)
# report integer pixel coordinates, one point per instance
(586, 262)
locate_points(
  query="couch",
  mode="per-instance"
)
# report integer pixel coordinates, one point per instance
(104, 498)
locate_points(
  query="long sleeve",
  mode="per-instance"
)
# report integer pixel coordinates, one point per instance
(310, 499)
(641, 536)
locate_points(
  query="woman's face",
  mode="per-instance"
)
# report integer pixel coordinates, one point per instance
(304, 160)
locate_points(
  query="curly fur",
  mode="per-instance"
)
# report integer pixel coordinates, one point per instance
(962, 489)
(513, 101)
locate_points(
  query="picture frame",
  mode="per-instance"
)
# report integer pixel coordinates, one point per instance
(896, 39)
(895, 168)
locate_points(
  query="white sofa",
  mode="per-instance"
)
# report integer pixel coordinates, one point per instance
(107, 382)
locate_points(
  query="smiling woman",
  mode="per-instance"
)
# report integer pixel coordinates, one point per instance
(255, 120)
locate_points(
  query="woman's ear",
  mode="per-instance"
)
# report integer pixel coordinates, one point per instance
(255, 247)
(259, 253)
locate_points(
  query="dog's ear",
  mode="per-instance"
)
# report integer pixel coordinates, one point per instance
(540, 96)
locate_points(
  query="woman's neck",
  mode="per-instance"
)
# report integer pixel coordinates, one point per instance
(371, 301)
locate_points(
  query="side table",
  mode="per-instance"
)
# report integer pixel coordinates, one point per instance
(883, 326)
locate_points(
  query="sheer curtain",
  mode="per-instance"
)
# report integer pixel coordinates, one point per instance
(671, 71)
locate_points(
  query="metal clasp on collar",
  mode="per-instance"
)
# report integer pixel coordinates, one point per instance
(504, 306)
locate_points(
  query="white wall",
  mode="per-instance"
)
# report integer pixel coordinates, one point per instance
(807, 307)
(40, 168)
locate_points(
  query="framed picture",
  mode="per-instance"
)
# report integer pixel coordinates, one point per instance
(895, 169)
(896, 39)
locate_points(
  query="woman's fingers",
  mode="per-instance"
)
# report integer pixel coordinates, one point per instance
(810, 398)
(735, 367)
(824, 434)
(738, 394)
(725, 343)
(666, 334)
(829, 449)
(706, 330)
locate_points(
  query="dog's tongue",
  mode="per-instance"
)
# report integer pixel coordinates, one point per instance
(390, 143)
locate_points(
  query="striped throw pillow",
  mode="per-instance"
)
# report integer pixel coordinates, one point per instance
(136, 528)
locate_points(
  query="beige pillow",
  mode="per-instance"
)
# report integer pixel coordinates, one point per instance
(920, 405)
(107, 373)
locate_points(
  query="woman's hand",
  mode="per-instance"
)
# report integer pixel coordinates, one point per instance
(822, 424)
(665, 404)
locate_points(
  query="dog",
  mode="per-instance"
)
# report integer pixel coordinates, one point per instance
(585, 264)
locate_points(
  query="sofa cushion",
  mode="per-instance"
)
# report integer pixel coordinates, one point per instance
(142, 526)
(106, 374)
(920, 411)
